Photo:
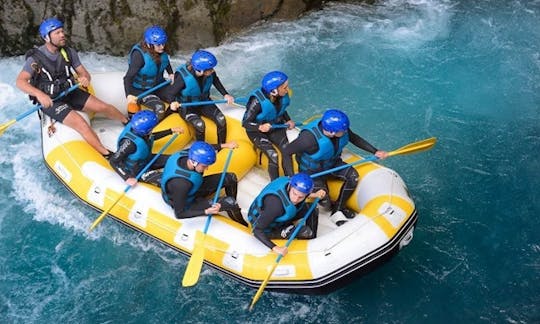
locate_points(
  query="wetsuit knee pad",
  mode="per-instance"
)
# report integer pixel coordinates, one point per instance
(273, 156)
(220, 119)
(199, 125)
(231, 177)
(351, 177)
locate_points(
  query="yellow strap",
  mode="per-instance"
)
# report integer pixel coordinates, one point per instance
(64, 54)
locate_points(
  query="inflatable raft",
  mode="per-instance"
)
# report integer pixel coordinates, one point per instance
(384, 223)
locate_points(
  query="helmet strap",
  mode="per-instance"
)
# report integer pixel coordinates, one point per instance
(274, 92)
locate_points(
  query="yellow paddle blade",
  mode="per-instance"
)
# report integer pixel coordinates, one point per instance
(105, 212)
(5, 126)
(261, 288)
(193, 269)
(312, 118)
(419, 146)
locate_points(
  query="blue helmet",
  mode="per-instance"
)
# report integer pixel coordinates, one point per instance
(272, 80)
(335, 121)
(203, 60)
(49, 25)
(155, 35)
(202, 152)
(143, 122)
(302, 182)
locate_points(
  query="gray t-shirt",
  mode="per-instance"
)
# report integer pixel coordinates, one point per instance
(75, 61)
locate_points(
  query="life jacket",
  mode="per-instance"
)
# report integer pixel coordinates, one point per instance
(278, 187)
(172, 170)
(325, 157)
(138, 159)
(268, 112)
(149, 75)
(51, 77)
(192, 91)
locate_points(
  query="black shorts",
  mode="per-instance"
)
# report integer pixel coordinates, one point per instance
(74, 100)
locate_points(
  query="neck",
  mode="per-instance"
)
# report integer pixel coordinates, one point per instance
(51, 47)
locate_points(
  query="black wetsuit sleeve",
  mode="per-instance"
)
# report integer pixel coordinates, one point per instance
(161, 134)
(172, 91)
(137, 62)
(361, 143)
(178, 189)
(219, 86)
(253, 108)
(285, 117)
(119, 157)
(169, 69)
(272, 209)
(304, 143)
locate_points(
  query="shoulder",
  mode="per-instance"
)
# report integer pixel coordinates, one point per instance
(271, 199)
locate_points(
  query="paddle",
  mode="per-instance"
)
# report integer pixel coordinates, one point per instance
(307, 121)
(210, 102)
(293, 235)
(286, 125)
(193, 269)
(149, 91)
(106, 211)
(5, 126)
(415, 147)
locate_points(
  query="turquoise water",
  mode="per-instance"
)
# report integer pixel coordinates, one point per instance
(467, 72)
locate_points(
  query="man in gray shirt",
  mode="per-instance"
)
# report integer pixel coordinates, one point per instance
(48, 71)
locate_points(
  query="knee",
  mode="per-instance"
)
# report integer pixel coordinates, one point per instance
(220, 120)
(352, 177)
(273, 156)
(231, 177)
(104, 107)
(199, 125)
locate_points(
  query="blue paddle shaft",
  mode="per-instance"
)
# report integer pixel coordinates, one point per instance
(210, 102)
(149, 164)
(36, 108)
(286, 125)
(149, 91)
(299, 226)
(368, 159)
(216, 196)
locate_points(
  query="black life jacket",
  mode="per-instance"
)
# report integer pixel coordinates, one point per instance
(51, 77)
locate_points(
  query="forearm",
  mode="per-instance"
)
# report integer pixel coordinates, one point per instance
(361, 143)
(161, 134)
(259, 234)
(219, 86)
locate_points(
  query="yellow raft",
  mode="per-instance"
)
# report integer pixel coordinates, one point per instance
(385, 220)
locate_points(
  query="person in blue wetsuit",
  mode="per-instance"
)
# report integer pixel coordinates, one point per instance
(148, 60)
(187, 191)
(281, 203)
(53, 68)
(267, 106)
(135, 149)
(192, 82)
(318, 147)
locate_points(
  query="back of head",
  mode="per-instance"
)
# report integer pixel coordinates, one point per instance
(49, 25)
(143, 122)
(203, 60)
(302, 182)
(155, 35)
(272, 80)
(335, 121)
(202, 152)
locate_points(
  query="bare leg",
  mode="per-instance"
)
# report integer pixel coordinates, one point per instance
(75, 121)
(93, 104)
